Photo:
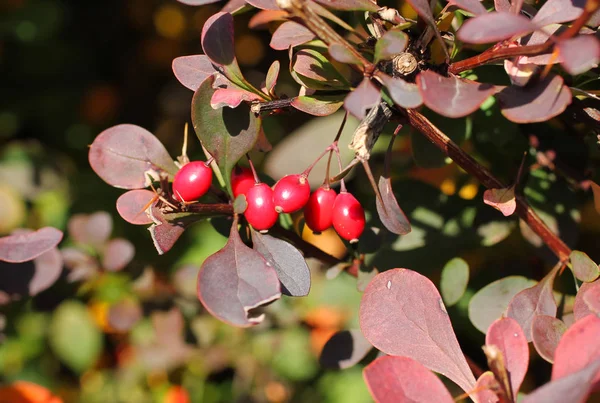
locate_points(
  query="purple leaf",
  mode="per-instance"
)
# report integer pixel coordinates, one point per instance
(350, 5)
(579, 54)
(502, 200)
(472, 6)
(288, 262)
(123, 315)
(404, 94)
(454, 280)
(574, 388)
(390, 44)
(133, 206)
(192, 70)
(93, 229)
(117, 254)
(231, 97)
(290, 33)
(546, 333)
(26, 246)
(580, 307)
(536, 300)
(227, 134)
(313, 70)
(124, 155)
(494, 27)
(363, 98)
(217, 39)
(236, 280)
(392, 217)
(402, 379)
(168, 227)
(342, 54)
(197, 2)
(507, 335)
(233, 6)
(264, 4)
(318, 105)
(402, 313)
(80, 264)
(584, 268)
(490, 302)
(344, 349)
(485, 387)
(592, 300)
(423, 8)
(558, 11)
(538, 103)
(272, 76)
(451, 96)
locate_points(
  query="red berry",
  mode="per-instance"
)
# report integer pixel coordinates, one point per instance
(192, 181)
(261, 212)
(318, 212)
(348, 217)
(242, 179)
(291, 193)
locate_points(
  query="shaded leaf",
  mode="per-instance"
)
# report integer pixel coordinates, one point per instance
(133, 206)
(123, 315)
(236, 280)
(537, 103)
(472, 6)
(363, 98)
(454, 280)
(81, 265)
(390, 44)
(313, 70)
(93, 229)
(290, 33)
(342, 54)
(392, 216)
(536, 300)
(584, 268)
(452, 96)
(272, 76)
(192, 70)
(231, 97)
(402, 379)
(264, 4)
(580, 307)
(227, 134)
(404, 94)
(490, 302)
(423, 8)
(350, 5)
(344, 349)
(579, 54)
(117, 254)
(318, 105)
(217, 39)
(596, 192)
(124, 155)
(25, 246)
(591, 299)
(494, 27)
(288, 262)
(402, 313)
(502, 200)
(197, 2)
(168, 227)
(546, 332)
(558, 11)
(508, 337)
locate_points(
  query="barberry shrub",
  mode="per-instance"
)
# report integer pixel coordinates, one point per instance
(429, 73)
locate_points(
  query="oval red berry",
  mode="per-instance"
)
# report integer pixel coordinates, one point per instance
(291, 193)
(192, 181)
(260, 212)
(318, 212)
(348, 217)
(242, 179)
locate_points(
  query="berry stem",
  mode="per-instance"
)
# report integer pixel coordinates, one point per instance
(256, 179)
(335, 142)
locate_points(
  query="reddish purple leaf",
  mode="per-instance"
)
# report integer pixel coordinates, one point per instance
(197, 2)
(546, 332)
(168, 227)
(123, 315)
(404, 94)
(272, 76)
(318, 105)
(538, 103)
(502, 5)
(80, 264)
(264, 4)
(192, 70)
(402, 379)
(402, 313)
(579, 54)
(236, 280)
(393, 42)
(342, 54)
(231, 97)
(558, 11)
(452, 96)
(316, 71)
(217, 39)
(124, 155)
(592, 300)
(584, 268)
(573, 388)
(494, 27)
(580, 307)
(133, 206)
(508, 337)
(288, 262)
(344, 349)
(484, 388)
(578, 347)
(26, 245)
(363, 98)
(536, 300)
(350, 5)
(472, 6)
(502, 200)
(263, 18)
(117, 254)
(423, 8)
(392, 216)
(290, 33)
(93, 229)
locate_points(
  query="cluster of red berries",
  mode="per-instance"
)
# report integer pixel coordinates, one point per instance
(322, 209)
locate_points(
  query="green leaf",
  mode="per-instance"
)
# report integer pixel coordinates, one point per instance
(584, 268)
(313, 70)
(228, 134)
(390, 44)
(74, 337)
(455, 277)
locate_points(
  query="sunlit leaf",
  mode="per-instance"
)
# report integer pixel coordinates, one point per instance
(272, 76)
(350, 5)
(344, 349)
(402, 313)
(132, 206)
(264, 4)
(197, 2)
(454, 280)
(124, 155)
(502, 200)
(318, 105)
(591, 299)
(363, 98)
(390, 44)
(546, 332)
(485, 387)
(231, 97)
(581, 308)
(392, 216)
(93, 229)
(558, 11)
(494, 27)
(25, 246)
(579, 54)
(404, 94)
(452, 96)
(342, 54)
(472, 6)
(584, 268)
(117, 254)
(402, 379)
(192, 70)
(290, 33)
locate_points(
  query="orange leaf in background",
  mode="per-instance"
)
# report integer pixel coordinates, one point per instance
(27, 392)
(177, 394)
